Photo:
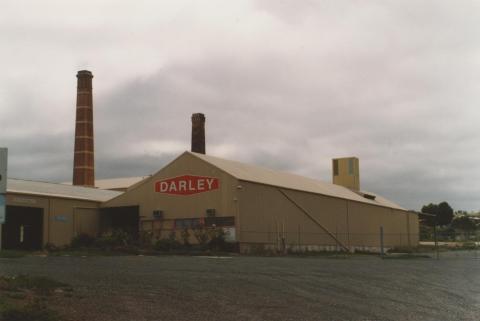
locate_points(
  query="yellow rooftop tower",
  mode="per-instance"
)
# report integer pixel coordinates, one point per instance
(346, 172)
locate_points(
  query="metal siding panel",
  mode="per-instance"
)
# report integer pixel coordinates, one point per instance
(182, 206)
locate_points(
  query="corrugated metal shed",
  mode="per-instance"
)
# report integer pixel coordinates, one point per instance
(257, 174)
(59, 190)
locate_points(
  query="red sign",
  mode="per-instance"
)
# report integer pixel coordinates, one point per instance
(186, 185)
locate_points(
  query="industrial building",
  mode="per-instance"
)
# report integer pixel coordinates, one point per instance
(257, 207)
(262, 207)
(39, 213)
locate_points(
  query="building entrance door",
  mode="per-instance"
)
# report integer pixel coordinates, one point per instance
(23, 228)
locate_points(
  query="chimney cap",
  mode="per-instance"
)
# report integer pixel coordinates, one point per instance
(198, 116)
(84, 73)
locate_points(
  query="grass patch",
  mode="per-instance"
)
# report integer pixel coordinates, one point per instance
(24, 298)
(11, 254)
(87, 253)
(35, 311)
(16, 295)
(38, 284)
(406, 256)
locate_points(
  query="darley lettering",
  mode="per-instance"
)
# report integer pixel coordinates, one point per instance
(186, 185)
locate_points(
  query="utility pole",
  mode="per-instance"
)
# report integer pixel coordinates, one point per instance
(3, 188)
(435, 237)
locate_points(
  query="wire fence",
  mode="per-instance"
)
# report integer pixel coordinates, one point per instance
(445, 245)
(438, 245)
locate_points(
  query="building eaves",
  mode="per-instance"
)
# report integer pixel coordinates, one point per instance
(38, 188)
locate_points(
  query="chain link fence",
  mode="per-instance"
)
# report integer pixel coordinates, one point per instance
(444, 245)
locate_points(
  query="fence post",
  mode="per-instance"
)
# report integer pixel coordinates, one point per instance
(382, 252)
(336, 236)
(476, 244)
(298, 239)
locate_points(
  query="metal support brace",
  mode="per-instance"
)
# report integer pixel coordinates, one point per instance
(314, 220)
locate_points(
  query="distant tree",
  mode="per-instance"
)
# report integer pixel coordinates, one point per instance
(429, 209)
(464, 223)
(443, 214)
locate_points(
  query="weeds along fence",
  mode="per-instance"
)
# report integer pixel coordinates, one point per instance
(282, 240)
(303, 241)
(450, 236)
(388, 244)
(298, 240)
(450, 243)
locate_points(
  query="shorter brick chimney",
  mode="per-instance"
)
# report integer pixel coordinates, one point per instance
(198, 133)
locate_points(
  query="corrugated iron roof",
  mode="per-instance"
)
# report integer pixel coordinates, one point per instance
(118, 183)
(59, 190)
(267, 176)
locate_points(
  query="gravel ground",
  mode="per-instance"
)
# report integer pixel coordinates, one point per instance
(362, 288)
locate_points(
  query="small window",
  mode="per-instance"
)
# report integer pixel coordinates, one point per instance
(158, 214)
(335, 167)
(210, 212)
(186, 223)
(220, 221)
(350, 166)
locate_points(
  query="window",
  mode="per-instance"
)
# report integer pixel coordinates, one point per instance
(335, 167)
(211, 212)
(220, 221)
(187, 223)
(350, 166)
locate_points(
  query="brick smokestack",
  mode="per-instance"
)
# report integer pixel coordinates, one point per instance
(198, 133)
(83, 160)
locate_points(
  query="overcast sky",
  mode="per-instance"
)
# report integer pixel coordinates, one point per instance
(285, 84)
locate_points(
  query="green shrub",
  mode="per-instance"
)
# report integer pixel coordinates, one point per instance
(50, 247)
(145, 239)
(186, 237)
(82, 240)
(167, 244)
(12, 254)
(201, 235)
(39, 284)
(217, 240)
(117, 238)
(469, 245)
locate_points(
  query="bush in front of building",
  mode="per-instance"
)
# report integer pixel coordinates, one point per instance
(145, 240)
(217, 239)
(208, 239)
(185, 237)
(114, 240)
(168, 244)
(201, 235)
(82, 240)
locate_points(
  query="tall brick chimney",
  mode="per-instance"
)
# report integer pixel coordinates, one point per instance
(198, 133)
(83, 160)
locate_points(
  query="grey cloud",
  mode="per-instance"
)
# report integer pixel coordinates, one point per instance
(131, 166)
(392, 83)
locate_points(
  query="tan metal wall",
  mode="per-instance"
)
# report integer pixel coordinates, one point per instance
(62, 218)
(266, 214)
(181, 206)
